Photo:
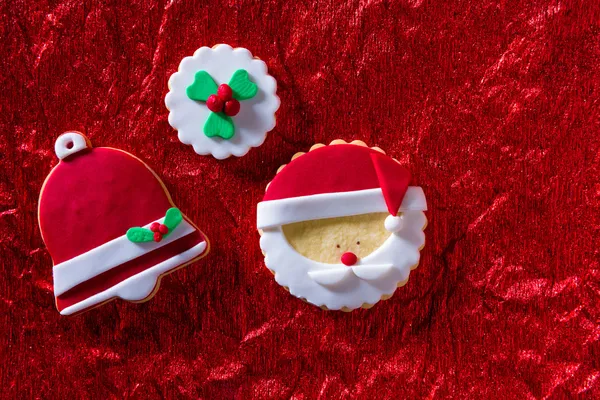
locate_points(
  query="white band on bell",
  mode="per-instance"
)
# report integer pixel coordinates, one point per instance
(331, 205)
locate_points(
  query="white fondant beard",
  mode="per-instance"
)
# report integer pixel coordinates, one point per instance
(337, 286)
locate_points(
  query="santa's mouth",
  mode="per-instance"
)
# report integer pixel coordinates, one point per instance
(337, 275)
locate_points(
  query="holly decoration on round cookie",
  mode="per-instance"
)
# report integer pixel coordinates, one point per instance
(110, 227)
(222, 101)
(341, 226)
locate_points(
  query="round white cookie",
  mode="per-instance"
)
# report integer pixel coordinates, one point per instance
(256, 116)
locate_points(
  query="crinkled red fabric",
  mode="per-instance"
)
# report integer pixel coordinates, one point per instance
(493, 105)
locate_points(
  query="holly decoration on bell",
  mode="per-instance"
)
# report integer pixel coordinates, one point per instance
(157, 231)
(223, 101)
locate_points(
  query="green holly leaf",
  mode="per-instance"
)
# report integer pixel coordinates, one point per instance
(140, 235)
(241, 85)
(202, 88)
(173, 218)
(219, 124)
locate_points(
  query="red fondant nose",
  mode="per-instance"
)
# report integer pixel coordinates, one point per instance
(349, 259)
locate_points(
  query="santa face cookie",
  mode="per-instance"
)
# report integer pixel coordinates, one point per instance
(110, 227)
(222, 101)
(341, 227)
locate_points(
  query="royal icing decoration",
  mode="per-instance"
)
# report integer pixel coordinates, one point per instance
(341, 227)
(222, 101)
(105, 244)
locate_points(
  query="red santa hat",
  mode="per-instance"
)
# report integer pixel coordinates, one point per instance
(87, 204)
(336, 181)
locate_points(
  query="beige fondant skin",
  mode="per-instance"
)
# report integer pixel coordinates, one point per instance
(325, 240)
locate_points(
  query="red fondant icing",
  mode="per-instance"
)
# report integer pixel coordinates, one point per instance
(232, 108)
(224, 92)
(393, 178)
(214, 103)
(341, 168)
(154, 227)
(349, 259)
(95, 197)
(162, 228)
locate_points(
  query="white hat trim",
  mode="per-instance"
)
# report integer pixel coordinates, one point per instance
(107, 256)
(331, 205)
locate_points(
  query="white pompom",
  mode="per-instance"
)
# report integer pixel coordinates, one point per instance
(393, 223)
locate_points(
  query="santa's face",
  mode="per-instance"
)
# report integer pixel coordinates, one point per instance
(347, 262)
(327, 240)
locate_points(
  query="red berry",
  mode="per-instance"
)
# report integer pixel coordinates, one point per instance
(224, 92)
(154, 227)
(157, 237)
(232, 107)
(214, 103)
(163, 229)
(349, 259)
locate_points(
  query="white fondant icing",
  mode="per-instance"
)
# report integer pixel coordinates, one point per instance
(256, 116)
(69, 143)
(338, 274)
(329, 205)
(139, 286)
(111, 254)
(371, 272)
(393, 223)
(330, 277)
(140, 290)
(318, 284)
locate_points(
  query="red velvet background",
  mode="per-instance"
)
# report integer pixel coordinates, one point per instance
(494, 106)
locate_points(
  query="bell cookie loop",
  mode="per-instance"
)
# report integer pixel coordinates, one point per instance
(69, 143)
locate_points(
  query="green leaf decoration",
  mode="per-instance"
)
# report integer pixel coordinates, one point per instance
(219, 124)
(172, 219)
(203, 86)
(140, 235)
(241, 85)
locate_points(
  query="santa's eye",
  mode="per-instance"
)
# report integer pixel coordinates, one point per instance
(358, 242)
(337, 245)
